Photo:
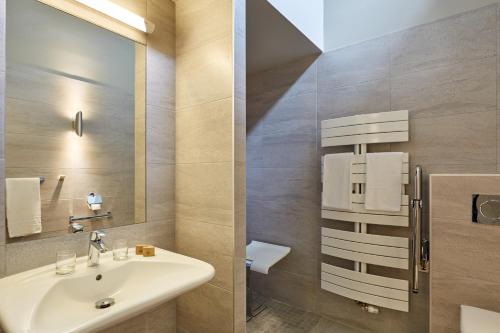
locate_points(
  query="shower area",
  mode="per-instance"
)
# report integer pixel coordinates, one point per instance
(415, 91)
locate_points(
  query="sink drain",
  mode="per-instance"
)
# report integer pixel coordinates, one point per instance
(104, 303)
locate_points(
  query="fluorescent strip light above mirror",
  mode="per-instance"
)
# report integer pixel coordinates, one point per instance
(118, 13)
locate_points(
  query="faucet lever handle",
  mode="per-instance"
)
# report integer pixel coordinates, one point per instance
(96, 235)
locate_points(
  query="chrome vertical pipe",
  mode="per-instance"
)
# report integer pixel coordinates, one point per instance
(417, 247)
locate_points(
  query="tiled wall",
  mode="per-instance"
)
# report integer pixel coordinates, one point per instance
(101, 161)
(444, 73)
(465, 256)
(209, 160)
(160, 133)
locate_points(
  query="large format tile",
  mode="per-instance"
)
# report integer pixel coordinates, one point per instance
(2, 261)
(347, 311)
(451, 195)
(296, 78)
(201, 22)
(207, 309)
(28, 255)
(160, 135)
(366, 97)
(160, 84)
(279, 284)
(204, 133)
(294, 116)
(467, 36)
(452, 139)
(448, 89)
(162, 15)
(162, 319)
(446, 301)
(160, 234)
(366, 61)
(205, 74)
(463, 249)
(223, 263)
(198, 237)
(160, 192)
(204, 192)
(22, 256)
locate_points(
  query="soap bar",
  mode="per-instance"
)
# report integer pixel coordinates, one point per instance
(138, 248)
(148, 251)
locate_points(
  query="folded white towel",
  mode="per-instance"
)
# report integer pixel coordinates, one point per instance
(383, 181)
(337, 182)
(23, 206)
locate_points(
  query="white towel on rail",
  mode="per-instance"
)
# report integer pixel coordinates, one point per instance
(337, 183)
(384, 179)
(23, 206)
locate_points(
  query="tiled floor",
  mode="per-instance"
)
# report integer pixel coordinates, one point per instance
(282, 318)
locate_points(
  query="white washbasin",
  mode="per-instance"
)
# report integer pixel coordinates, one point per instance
(476, 320)
(41, 301)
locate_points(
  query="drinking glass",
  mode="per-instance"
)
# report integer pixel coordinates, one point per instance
(66, 262)
(120, 249)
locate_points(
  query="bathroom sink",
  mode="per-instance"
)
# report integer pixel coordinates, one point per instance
(41, 301)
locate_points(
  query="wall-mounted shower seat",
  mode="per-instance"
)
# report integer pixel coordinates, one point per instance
(260, 258)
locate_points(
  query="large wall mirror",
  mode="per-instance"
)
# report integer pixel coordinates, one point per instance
(60, 68)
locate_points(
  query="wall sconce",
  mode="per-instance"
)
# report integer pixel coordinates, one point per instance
(78, 123)
(119, 13)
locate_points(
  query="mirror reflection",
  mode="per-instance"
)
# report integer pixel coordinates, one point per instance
(74, 121)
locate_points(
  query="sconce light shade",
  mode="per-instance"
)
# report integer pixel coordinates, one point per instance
(78, 123)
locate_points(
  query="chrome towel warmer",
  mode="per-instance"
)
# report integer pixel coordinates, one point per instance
(420, 245)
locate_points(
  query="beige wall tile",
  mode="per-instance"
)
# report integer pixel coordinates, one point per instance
(206, 74)
(463, 254)
(452, 195)
(23, 256)
(2, 261)
(159, 192)
(207, 309)
(222, 263)
(201, 23)
(240, 296)
(446, 301)
(160, 319)
(161, 234)
(204, 133)
(136, 6)
(162, 14)
(204, 192)
(160, 86)
(160, 135)
(194, 237)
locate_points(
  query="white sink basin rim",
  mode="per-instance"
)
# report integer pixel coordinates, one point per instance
(41, 301)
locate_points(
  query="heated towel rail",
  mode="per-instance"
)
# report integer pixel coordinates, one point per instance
(361, 246)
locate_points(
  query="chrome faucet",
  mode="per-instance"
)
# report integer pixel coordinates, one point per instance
(96, 247)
